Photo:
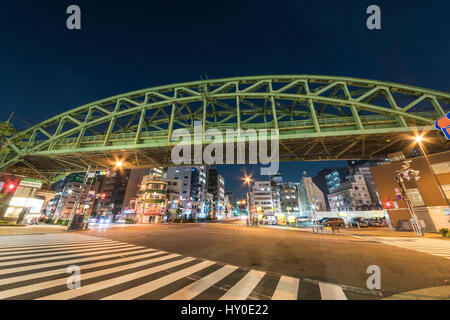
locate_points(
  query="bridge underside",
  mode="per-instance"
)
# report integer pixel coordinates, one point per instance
(318, 118)
(52, 166)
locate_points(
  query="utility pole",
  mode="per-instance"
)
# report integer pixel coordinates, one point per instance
(406, 172)
(77, 201)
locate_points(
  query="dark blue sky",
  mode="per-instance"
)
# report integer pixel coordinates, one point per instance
(46, 69)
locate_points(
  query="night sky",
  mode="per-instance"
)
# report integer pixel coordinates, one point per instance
(128, 45)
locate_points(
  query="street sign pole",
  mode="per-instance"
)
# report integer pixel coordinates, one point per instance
(77, 201)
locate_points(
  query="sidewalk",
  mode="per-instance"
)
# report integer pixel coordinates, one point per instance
(382, 232)
(34, 229)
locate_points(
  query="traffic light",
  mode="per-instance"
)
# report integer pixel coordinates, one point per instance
(388, 204)
(9, 187)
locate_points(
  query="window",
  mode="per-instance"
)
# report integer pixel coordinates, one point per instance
(414, 196)
(442, 167)
(446, 189)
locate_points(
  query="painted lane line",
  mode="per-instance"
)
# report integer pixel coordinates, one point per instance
(105, 254)
(194, 289)
(242, 289)
(118, 259)
(330, 291)
(17, 262)
(287, 289)
(148, 287)
(71, 294)
(58, 282)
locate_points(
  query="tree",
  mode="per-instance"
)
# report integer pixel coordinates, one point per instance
(7, 131)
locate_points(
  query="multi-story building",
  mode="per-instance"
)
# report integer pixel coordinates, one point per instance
(22, 198)
(329, 178)
(133, 187)
(173, 197)
(193, 187)
(428, 201)
(276, 182)
(310, 195)
(262, 198)
(216, 186)
(151, 203)
(289, 198)
(68, 190)
(351, 195)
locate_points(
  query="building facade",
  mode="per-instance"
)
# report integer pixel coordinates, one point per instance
(351, 195)
(262, 198)
(429, 203)
(152, 200)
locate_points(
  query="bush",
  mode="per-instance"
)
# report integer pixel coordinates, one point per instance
(445, 232)
(49, 221)
(64, 223)
(177, 220)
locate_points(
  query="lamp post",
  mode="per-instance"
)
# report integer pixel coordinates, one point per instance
(248, 180)
(419, 140)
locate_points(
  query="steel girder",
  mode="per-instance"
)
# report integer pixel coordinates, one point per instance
(318, 117)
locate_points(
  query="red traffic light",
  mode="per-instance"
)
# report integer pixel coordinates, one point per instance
(11, 186)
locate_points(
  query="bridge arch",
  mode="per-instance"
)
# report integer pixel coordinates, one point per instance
(318, 117)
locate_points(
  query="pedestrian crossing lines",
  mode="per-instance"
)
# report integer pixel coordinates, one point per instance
(436, 247)
(35, 267)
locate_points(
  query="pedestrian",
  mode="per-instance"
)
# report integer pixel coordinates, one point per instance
(28, 220)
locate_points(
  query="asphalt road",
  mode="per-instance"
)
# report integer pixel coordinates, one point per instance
(340, 259)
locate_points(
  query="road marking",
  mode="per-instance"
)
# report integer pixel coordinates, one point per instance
(124, 258)
(194, 289)
(67, 262)
(38, 275)
(58, 282)
(287, 289)
(53, 248)
(242, 289)
(11, 256)
(436, 247)
(82, 253)
(70, 294)
(330, 291)
(148, 287)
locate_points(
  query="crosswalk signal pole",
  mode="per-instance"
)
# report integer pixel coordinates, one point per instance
(77, 201)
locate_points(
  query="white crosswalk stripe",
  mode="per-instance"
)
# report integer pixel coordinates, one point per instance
(114, 270)
(436, 247)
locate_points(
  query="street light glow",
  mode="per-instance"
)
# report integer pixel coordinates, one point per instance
(119, 163)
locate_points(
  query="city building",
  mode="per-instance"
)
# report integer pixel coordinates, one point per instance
(216, 186)
(22, 198)
(133, 186)
(351, 195)
(68, 190)
(328, 178)
(289, 198)
(173, 198)
(428, 202)
(262, 198)
(151, 203)
(310, 195)
(193, 188)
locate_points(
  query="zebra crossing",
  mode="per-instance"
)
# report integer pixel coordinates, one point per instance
(436, 247)
(36, 267)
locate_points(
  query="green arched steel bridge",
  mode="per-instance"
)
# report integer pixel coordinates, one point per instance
(318, 117)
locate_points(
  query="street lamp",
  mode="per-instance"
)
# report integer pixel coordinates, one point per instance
(119, 164)
(248, 180)
(419, 139)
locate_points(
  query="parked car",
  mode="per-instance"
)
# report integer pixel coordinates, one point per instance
(322, 220)
(334, 222)
(375, 222)
(358, 221)
(303, 219)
